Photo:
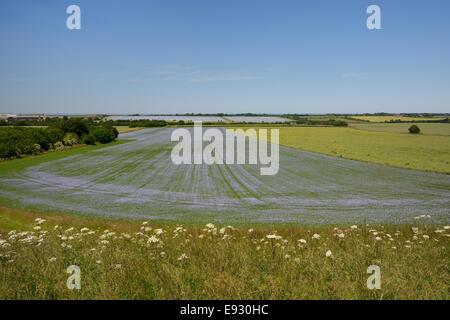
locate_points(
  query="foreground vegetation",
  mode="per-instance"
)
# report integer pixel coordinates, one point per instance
(151, 260)
(421, 152)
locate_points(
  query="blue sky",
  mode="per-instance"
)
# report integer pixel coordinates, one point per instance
(231, 56)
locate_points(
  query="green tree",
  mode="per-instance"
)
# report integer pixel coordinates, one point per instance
(75, 125)
(89, 139)
(102, 134)
(414, 129)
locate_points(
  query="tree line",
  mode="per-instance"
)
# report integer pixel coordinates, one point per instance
(319, 122)
(16, 141)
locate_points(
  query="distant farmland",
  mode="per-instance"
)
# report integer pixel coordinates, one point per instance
(436, 129)
(225, 119)
(427, 151)
(395, 118)
(138, 180)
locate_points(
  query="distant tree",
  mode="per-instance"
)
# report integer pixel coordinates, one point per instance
(103, 134)
(115, 132)
(75, 125)
(89, 139)
(414, 129)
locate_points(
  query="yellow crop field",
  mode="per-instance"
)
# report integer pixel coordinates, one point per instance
(125, 129)
(394, 118)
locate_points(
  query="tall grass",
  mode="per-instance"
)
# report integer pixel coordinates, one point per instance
(218, 262)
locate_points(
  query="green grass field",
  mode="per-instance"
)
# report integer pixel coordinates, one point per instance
(17, 165)
(134, 260)
(434, 129)
(421, 152)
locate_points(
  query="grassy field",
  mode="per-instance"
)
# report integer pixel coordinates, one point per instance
(17, 165)
(394, 118)
(421, 152)
(149, 260)
(435, 129)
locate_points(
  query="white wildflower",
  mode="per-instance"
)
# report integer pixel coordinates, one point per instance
(183, 256)
(273, 236)
(40, 221)
(153, 239)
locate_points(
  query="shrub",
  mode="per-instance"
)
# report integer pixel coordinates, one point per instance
(75, 125)
(70, 139)
(18, 141)
(7, 150)
(414, 129)
(103, 134)
(41, 138)
(54, 135)
(89, 139)
(58, 145)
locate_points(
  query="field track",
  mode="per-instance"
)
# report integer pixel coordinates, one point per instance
(138, 180)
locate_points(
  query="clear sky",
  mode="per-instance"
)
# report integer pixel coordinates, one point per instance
(231, 56)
